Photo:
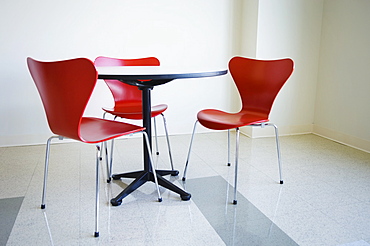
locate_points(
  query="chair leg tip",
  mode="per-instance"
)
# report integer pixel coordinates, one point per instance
(174, 173)
(235, 202)
(183, 178)
(281, 182)
(185, 197)
(160, 199)
(43, 206)
(228, 164)
(115, 202)
(96, 234)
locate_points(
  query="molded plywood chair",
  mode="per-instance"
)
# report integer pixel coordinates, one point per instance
(258, 83)
(127, 99)
(65, 88)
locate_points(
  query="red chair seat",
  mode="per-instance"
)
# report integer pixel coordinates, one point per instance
(94, 130)
(220, 120)
(134, 111)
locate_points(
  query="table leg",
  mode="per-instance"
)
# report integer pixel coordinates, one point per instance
(147, 123)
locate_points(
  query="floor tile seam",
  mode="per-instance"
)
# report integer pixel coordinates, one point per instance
(267, 175)
(279, 215)
(299, 237)
(332, 206)
(303, 199)
(348, 232)
(358, 213)
(14, 197)
(367, 240)
(362, 236)
(334, 187)
(10, 197)
(32, 178)
(313, 177)
(327, 217)
(204, 162)
(230, 174)
(276, 221)
(288, 214)
(142, 216)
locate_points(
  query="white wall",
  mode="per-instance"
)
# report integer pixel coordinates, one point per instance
(177, 32)
(249, 28)
(343, 95)
(287, 28)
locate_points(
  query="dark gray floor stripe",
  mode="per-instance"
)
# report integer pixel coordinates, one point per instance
(241, 224)
(9, 208)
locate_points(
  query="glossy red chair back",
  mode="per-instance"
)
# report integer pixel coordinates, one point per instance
(259, 81)
(124, 94)
(73, 79)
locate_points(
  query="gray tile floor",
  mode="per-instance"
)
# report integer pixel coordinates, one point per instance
(241, 224)
(9, 208)
(325, 198)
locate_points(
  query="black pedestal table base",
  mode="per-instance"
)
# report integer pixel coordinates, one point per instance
(142, 177)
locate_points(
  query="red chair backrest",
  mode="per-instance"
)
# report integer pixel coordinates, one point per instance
(259, 81)
(124, 93)
(65, 88)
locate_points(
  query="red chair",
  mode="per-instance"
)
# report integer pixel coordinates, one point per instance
(127, 99)
(65, 88)
(258, 83)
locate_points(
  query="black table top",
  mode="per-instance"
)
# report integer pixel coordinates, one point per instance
(136, 75)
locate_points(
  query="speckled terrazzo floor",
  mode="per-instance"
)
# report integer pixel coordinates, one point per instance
(325, 198)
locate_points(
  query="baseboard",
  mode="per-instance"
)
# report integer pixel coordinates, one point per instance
(258, 132)
(23, 140)
(342, 138)
(354, 142)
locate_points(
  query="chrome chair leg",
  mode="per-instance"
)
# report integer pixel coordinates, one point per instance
(96, 234)
(111, 160)
(228, 148)
(109, 163)
(152, 164)
(101, 153)
(188, 158)
(168, 141)
(109, 169)
(278, 150)
(236, 165)
(155, 135)
(104, 147)
(43, 206)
